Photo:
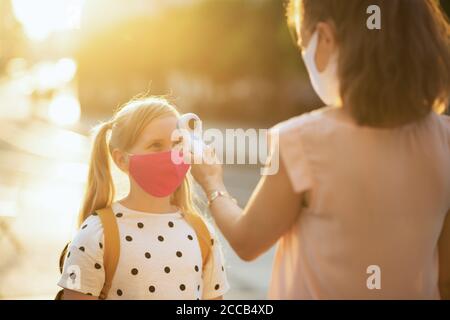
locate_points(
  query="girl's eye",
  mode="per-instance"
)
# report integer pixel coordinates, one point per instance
(155, 145)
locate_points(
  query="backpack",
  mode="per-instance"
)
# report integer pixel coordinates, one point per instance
(111, 246)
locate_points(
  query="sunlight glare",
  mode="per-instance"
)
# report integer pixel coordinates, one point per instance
(43, 17)
(64, 109)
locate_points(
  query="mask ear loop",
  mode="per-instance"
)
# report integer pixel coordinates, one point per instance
(129, 155)
(128, 159)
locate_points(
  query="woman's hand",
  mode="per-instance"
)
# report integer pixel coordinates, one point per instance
(271, 211)
(209, 173)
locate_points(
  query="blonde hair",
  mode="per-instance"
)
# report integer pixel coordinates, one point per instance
(125, 127)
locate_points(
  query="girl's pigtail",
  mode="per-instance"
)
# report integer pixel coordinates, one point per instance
(100, 187)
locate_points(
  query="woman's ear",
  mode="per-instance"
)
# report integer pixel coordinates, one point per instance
(326, 45)
(120, 159)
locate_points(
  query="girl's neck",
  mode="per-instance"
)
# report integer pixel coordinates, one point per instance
(139, 200)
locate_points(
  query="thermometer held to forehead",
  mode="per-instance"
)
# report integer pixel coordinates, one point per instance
(191, 128)
(185, 121)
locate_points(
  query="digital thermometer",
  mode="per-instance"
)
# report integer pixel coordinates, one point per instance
(190, 127)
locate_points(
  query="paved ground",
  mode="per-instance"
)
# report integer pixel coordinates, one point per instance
(42, 170)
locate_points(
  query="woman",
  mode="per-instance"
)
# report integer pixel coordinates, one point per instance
(364, 184)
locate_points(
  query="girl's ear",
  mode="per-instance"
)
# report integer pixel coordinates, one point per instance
(326, 46)
(120, 159)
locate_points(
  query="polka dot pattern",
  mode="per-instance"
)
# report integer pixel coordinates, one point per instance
(160, 258)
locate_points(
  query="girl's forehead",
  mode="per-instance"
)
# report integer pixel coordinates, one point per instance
(160, 128)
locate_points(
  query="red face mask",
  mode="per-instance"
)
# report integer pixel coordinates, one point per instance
(157, 173)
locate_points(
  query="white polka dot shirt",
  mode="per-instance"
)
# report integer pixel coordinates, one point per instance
(160, 258)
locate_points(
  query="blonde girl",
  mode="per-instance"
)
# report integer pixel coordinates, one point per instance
(159, 251)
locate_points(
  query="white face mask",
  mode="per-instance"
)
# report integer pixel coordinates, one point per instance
(326, 83)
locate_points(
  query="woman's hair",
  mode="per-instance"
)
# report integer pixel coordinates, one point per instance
(124, 129)
(391, 76)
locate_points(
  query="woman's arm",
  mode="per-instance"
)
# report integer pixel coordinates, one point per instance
(271, 211)
(444, 260)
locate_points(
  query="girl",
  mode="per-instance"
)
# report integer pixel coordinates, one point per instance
(360, 206)
(159, 251)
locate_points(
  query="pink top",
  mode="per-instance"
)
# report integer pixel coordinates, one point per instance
(377, 197)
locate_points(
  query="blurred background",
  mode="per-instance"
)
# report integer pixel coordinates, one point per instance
(67, 64)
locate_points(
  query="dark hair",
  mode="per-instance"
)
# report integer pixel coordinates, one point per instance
(390, 76)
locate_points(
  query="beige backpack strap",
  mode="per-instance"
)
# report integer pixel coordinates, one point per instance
(111, 247)
(203, 235)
